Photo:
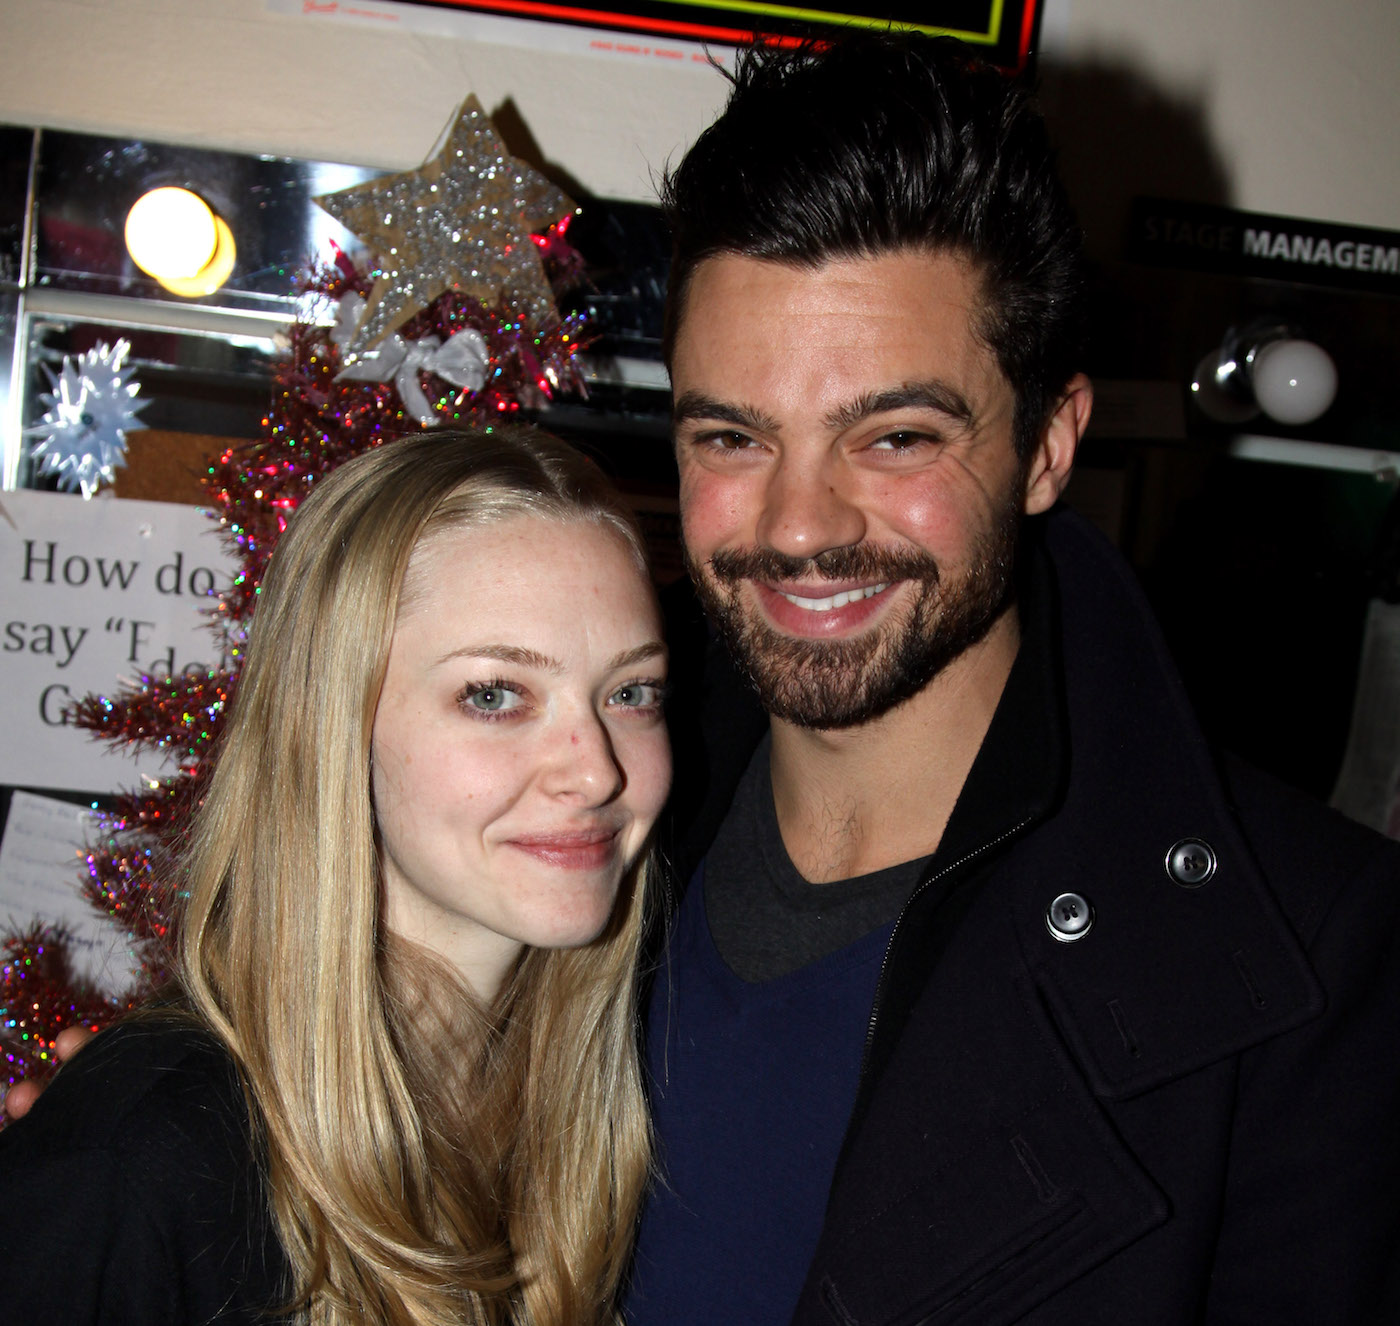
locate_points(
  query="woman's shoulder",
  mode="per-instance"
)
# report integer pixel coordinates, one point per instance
(137, 1080)
(136, 1172)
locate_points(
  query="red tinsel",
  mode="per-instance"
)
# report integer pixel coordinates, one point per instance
(315, 422)
(184, 712)
(160, 809)
(39, 997)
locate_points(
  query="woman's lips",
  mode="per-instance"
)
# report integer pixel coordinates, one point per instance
(589, 849)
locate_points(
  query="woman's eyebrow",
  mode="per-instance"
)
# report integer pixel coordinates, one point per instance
(524, 658)
(641, 654)
(531, 658)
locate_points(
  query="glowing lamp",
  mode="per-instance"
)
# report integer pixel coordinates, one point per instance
(1266, 367)
(170, 233)
(174, 236)
(1294, 381)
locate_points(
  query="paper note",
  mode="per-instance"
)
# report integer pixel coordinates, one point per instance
(41, 870)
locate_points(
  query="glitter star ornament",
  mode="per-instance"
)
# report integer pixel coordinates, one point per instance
(91, 409)
(461, 222)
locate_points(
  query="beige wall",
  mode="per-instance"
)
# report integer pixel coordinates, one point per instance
(231, 74)
(1297, 101)
(1300, 100)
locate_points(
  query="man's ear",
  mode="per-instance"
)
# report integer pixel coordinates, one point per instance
(1052, 461)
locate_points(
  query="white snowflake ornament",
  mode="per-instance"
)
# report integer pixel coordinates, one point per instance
(91, 409)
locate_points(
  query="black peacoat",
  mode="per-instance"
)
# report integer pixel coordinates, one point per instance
(1135, 1055)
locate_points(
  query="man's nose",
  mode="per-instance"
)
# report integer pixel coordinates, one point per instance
(807, 508)
(582, 764)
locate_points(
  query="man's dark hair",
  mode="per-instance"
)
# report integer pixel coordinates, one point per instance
(890, 141)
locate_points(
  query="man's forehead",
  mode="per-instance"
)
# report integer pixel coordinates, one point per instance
(720, 269)
(861, 324)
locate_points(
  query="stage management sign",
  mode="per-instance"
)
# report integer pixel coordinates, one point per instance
(1276, 248)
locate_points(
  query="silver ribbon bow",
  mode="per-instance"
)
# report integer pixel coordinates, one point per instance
(462, 360)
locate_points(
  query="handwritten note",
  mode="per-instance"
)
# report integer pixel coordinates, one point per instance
(93, 593)
(40, 875)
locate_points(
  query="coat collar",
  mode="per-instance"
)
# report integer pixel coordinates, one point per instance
(1171, 976)
(1093, 769)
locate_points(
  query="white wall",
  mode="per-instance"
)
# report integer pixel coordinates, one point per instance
(1299, 100)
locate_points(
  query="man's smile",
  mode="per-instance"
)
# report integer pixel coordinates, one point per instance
(821, 611)
(837, 600)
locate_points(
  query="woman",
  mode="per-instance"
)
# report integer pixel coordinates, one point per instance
(413, 916)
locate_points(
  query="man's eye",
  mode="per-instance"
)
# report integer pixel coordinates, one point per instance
(900, 441)
(490, 698)
(637, 695)
(724, 441)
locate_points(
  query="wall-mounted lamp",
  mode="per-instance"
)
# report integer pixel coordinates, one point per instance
(176, 237)
(1265, 366)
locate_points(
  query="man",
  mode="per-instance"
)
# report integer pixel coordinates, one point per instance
(993, 997)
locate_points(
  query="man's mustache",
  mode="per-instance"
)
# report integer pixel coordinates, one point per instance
(859, 561)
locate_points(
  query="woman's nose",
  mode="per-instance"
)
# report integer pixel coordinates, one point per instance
(583, 764)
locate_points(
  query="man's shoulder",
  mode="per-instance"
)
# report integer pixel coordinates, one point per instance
(1123, 684)
(1314, 858)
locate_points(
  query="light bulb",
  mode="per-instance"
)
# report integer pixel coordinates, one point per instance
(1215, 390)
(1294, 381)
(170, 233)
(213, 274)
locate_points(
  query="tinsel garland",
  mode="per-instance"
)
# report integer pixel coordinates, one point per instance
(181, 714)
(40, 997)
(313, 424)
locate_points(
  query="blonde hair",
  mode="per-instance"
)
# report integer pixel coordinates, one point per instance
(429, 1159)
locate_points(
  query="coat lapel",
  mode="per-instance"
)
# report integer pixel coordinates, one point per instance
(984, 1175)
(988, 1165)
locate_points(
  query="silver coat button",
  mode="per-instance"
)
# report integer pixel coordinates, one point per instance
(1069, 917)
(1191, 863)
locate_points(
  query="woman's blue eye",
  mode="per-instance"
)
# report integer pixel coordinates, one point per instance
(636, 695)
(491, 699)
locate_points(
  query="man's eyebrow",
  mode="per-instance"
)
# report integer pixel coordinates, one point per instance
(932, 394)
(697, 405)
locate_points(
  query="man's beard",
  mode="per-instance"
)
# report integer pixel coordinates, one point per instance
(844, 683)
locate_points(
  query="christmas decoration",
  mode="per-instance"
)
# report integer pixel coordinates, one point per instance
(451, 360)
(463, 221)
(91, 409)
(462, 361)
(321, 416)
(39, 997)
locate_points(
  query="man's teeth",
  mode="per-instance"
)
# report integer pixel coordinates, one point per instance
(836, 600)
